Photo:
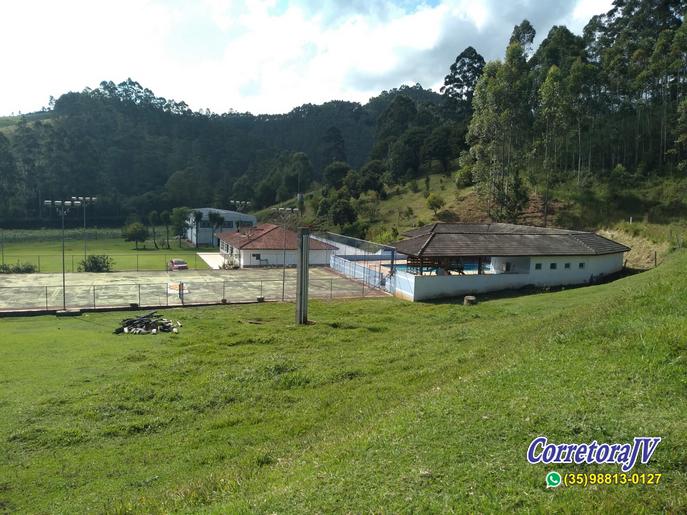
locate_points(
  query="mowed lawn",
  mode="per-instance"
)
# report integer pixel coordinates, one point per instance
(379, 406)
(46, 254)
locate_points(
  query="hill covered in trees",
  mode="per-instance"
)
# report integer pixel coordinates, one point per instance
(597, 120)
(141, 152)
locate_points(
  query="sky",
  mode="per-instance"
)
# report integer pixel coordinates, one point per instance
(260, 56)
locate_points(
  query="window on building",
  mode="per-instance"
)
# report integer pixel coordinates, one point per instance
(581, 265)
(508, 266)
(256, 256)
(228, 224)
(553, 266)
(567, 265)
(537, 266)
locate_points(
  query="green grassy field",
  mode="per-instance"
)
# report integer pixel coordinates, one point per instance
(379, 406)
(43, 249)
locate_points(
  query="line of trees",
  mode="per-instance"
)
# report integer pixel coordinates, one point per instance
(607, 106)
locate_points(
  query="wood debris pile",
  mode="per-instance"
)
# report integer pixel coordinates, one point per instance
(152, 323)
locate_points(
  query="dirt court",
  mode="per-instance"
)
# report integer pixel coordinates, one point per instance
(92, 290)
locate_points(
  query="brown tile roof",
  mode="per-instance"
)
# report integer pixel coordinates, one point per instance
(268, 237)
(439, 240)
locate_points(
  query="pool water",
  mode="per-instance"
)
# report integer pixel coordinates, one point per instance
(468, 267)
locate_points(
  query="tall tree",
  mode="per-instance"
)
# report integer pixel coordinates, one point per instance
(179, 221)
(499, 131)
(9, 176)
(552, 106)
(333, 146)
(165, 219)
(197, 221)
(459, 84)
(154, 221)
(216, 221)
(523, 35)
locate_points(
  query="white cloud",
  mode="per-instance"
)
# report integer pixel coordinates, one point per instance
(261, 56)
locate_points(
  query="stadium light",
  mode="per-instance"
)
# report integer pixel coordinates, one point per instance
(63, 207)
(84, 201)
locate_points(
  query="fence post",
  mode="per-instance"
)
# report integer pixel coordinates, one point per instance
(137, 262)
(224, 289)
(261, 288)
(139, 295)
(39, 263)
(94, 296)
(72, 263)
(46, 298)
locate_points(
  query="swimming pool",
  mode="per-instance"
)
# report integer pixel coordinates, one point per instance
(468, 267)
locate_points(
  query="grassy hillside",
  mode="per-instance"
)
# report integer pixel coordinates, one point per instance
(380, 406)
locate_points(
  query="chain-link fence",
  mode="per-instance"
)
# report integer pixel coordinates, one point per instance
(149, 294)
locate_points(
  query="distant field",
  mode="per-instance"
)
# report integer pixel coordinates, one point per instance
(44, 250)
(380, 406)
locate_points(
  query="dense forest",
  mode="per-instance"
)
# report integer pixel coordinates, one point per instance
(593, 116)
(139, 152)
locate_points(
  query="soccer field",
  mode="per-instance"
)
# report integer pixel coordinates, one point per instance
(91, 290)
(46, 255)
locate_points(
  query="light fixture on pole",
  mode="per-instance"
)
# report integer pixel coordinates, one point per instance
(84, 201)
(63, 207)
(240, 205)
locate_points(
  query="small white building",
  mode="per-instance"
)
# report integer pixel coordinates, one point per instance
(450, 260)
(269, 245)
(204, 233)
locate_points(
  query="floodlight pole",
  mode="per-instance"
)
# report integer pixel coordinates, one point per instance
(84, 201)
(63, 207)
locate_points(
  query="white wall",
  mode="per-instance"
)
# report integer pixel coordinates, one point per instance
(593, 267)
(276, 257)
(416, 287)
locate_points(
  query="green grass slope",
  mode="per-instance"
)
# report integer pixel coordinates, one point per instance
(380, 406)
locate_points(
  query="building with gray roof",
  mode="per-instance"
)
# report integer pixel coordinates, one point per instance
(451, 259)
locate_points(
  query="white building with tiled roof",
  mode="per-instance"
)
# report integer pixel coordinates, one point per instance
(269, 245)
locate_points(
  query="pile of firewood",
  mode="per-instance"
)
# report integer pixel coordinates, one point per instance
(152, 323)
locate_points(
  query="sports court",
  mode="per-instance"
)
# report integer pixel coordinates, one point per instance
(116, 289)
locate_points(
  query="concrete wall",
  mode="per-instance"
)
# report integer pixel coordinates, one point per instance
(276, 257)
(402, 285)
(426, 287)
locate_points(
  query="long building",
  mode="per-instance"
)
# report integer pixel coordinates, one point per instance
(452, 259)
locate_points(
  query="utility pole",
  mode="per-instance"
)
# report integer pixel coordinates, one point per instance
(63, 207)
(302, 271)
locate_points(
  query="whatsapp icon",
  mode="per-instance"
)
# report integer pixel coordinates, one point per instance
(553, 479)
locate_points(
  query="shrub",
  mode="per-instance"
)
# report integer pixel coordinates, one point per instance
(96, 264)
(464, 178)
(19, 268)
